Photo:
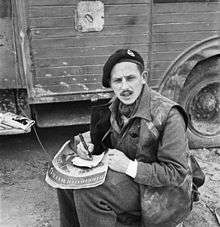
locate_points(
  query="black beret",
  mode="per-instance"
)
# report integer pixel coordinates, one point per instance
(119, 56)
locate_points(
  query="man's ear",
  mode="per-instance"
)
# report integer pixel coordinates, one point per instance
(145, 77)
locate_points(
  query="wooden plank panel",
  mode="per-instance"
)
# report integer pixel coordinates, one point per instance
(65, 88)
(128, 9)
(216, 26)
(65, 11)
(181, 1)
(164, 56)
(89, 51)
(68, 71)
(51, 11)
(90, 72)
(185, 17)
(186, 7)
(107, 31)
(69, 79)
(71, 61)
(89, 41)
(71, 2)
(120, 40)
(54, 22)
(174, 46)
(157, 74)
(53, 81)
(51, 2)
(123, 30)
(51, 22)
(181, 27)
(66, 60)
(160, 65)
(154, 83)
(74, 61)
(182, 36)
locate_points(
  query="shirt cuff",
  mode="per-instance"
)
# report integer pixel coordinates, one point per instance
(132, 168)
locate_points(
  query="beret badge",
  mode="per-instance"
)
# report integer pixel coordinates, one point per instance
(129, 52)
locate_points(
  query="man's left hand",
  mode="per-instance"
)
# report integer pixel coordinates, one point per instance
(118, 161)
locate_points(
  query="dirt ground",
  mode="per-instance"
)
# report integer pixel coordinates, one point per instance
(26, 200)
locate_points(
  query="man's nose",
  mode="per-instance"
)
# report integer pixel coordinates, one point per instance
(124, 84)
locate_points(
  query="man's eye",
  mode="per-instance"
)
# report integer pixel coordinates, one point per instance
(117, 80)
(130, 78)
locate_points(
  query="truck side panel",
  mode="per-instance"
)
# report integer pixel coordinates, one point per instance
(66, 61)
(177, 26)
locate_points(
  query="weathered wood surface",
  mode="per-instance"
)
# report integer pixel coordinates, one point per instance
(82, 66)
(93, 74)
(54, 22)
(65, 59)
(186, 7)
(71, 2)
(187, 27)
(163, 65)
(107, 31)
(68, 79)
(160, 18)
(176, 37)
(86, 40)
(68, 88)
(181, 1)
(174, 46)
(176, 27)
(74, 61)
(208, 17)
(83, 51)
(61, 55)
(63, 11)
(70, 70)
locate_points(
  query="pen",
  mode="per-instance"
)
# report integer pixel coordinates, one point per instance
(84, 144)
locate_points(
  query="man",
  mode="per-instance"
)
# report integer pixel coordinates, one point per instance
(148, 181)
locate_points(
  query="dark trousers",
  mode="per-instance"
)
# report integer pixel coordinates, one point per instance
(114, 203)
(68, 215)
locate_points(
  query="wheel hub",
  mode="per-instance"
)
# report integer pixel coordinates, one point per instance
(204, 109)
(205, 104)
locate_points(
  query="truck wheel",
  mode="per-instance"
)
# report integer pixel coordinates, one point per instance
(202, 105)
(200, 97)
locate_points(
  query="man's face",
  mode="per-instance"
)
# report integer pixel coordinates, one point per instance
(127, 82)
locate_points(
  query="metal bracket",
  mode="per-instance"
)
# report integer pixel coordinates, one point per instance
(89, 16)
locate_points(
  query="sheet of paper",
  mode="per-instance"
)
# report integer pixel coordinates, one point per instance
(96, 159)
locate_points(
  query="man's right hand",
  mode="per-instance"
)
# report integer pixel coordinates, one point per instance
(82, 152)
(80, 149)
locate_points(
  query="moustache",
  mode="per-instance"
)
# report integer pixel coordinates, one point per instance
(126, 93)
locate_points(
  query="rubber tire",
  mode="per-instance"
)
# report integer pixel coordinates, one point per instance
(204, 73)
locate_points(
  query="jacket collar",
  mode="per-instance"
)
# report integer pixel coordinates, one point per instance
(143, 110)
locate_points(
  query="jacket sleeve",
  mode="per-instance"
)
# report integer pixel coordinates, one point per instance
(172, 165)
